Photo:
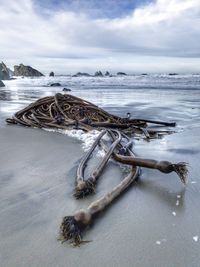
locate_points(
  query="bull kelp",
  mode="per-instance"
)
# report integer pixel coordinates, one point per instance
(64, 111)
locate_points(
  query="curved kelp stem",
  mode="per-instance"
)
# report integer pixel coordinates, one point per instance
(84, 186)
(164, 123)
(72, 227)
(163, 166)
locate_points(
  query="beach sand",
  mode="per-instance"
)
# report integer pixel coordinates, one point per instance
(154, 223)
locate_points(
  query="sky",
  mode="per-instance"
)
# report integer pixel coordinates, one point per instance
(134, 36)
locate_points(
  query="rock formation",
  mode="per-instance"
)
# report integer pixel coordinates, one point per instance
(4, 72)
(121, 73)
(107, 73)
(98, 74)
(1, 84)
(51, 74)
(66, 90)
(79, 74)
(26, 71)
(55, 84)
(173, 74)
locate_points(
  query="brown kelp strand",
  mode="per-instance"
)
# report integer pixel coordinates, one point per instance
(163, 166)
(84, 186)
(64, 111)
(72, 227)
(121, 156)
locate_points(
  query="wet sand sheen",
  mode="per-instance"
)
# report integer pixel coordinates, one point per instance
(155, 223)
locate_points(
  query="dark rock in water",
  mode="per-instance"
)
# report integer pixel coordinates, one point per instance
(51, 74)
(172, 74)
(98, 74)
(121, 73)
(1, 84)
(144, 74)
(66, 90)
(79, 74)
(26, 71)
(55, 84)
(4, 72)
(107, 73)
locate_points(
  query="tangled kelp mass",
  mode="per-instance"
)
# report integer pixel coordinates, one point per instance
(67, 111)
(64, 111)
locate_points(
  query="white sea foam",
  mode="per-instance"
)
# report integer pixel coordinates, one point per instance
(159, 242)
(196, 238)
(160, 81)
(87, 138)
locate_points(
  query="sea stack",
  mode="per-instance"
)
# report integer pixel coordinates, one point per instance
(51, 74)
(98, 74)
(4, 72)
(26, 71)
(81, 74)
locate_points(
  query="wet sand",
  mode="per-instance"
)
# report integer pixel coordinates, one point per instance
(155, 223)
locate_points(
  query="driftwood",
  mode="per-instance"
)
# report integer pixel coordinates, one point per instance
(67, 111)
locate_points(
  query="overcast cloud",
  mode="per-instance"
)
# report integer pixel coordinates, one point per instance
(163, 35)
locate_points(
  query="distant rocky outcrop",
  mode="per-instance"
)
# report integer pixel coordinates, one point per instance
(1, 84)
(80, 74)
(51, 74)
(66, 89)
(98, 74)
(55, 84)
(26, 71)
(4, 72)
(107, 73)
(121, 73)
(173, 74)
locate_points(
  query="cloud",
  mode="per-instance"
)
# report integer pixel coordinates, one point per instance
(158, 31)
(94, 8)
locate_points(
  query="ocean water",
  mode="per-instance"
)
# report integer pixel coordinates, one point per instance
(142, 95)
(156, 223)
(157, 97)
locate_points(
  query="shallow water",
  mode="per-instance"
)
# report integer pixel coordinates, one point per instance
(155, 223)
